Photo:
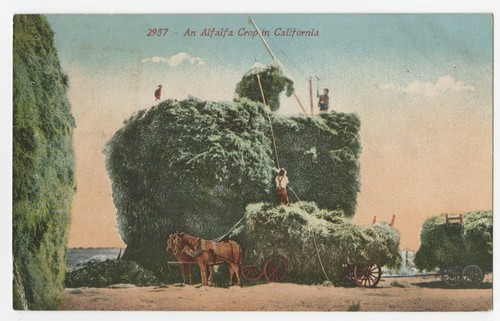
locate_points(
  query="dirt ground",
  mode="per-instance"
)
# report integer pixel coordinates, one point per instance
(392, 294)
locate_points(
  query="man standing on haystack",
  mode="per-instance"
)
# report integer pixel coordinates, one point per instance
(158, 93)
(281, 193)
(324, 100)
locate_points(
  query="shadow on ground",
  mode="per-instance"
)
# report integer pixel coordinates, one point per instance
(438, 284)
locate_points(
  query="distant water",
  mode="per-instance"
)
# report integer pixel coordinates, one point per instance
(77, 256)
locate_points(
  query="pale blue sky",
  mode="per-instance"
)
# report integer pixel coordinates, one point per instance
(352, 53)
(347, 34)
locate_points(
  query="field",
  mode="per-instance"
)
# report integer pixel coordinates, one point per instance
(392, 294)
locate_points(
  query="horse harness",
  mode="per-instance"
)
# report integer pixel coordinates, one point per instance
(197, 252)
(199, 249)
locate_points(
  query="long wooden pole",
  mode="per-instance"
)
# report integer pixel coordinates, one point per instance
(261, 90)
(270, 123)
(250, 20)
(300, 103)
(262, 38)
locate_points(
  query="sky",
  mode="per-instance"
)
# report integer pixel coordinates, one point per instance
(420, 84)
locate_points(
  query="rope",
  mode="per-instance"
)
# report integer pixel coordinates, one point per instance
(270, 123)
(314, 237)
(293, 64)
(279, 166)
(227, 233)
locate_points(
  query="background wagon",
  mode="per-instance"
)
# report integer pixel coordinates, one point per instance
(460, 247)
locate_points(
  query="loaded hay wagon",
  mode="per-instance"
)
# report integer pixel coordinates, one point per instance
(303, 244)
(459, 247)
(275, 269)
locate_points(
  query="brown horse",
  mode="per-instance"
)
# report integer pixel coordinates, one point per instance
(208, 253)
(185, 261)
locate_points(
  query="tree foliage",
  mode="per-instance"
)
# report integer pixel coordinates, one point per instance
(195, 165)
(292, 232)
(43, 165)
(273, 82)
(452, 245)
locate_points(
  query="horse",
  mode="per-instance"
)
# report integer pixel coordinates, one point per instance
(208, 253)
(184, 259)
(173, 246)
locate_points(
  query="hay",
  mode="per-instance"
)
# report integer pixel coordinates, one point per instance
(289, 231)
(98, 274)
(451, 245)
(195, 165)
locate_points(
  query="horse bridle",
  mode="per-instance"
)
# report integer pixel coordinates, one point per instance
(176, 241)
(194, 253)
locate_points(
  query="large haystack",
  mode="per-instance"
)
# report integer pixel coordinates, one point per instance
(195, 165)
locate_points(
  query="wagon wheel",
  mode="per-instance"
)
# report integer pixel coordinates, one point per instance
(368, 276)
(472, 276)
(452, 276)
(349, 275)
(251, 272)
(275, 269)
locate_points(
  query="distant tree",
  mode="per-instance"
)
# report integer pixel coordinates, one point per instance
(273, 81)
(43, 166)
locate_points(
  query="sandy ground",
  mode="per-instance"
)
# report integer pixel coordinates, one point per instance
(402, 294)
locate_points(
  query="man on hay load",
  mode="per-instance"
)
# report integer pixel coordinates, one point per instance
(281, 194)
(324, 100)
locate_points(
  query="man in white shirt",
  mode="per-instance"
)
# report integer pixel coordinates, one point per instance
(281, 193)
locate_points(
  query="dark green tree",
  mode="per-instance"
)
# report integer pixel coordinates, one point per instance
(43, 166)
(194, 166)
(273, 82)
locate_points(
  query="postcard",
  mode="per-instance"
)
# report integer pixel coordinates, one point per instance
(253, 162)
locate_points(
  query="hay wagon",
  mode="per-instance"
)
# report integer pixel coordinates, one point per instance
(275, 269)
(463, 267)
(472, 275)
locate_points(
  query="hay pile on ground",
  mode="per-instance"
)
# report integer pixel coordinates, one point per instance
(100, 274)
